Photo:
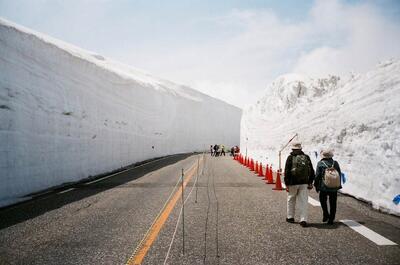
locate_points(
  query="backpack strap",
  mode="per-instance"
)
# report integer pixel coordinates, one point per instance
(327, 165)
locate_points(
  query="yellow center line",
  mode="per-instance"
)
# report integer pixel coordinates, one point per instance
(137, 258)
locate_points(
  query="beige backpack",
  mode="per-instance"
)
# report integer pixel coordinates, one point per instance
(331, 177)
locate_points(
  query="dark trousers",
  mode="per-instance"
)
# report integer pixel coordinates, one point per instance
(323, 197)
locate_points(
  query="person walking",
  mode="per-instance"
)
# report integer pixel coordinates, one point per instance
(211, 150)
(299, 176)
(233, 151)
(216, 147)
(327, 183)
(222, 150)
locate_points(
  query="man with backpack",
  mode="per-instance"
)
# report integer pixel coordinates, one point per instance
(327, 183)
(299, 176)
(216, 147)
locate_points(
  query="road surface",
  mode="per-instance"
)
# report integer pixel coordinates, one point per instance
(230, 217)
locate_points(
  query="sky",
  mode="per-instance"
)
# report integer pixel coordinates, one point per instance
(230, 50)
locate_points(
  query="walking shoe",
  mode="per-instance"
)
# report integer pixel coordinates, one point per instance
(325, 219)
(303, 223)
(290, 220)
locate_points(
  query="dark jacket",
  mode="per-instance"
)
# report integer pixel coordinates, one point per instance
(289, 179)
(319, 185)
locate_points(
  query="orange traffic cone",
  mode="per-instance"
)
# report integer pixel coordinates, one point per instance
(252, 165)
(270, 177)
(256, 168)
(266, 173)
(260, 170)
(278, 185)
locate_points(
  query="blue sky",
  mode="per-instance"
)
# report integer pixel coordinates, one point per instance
(229, 49)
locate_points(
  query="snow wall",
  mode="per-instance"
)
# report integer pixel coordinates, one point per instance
(359, 118)
(67, 114)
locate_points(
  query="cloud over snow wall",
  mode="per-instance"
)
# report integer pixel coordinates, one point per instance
(67, 114)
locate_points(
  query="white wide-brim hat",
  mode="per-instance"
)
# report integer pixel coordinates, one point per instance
(296, 146)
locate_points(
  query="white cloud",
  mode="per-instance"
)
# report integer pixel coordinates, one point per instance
(336, 38)
(366, 38)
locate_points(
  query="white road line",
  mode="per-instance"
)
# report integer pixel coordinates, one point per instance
(65, 191)
(106, 177)
(368, 233)
(109, 176)
(313, 202)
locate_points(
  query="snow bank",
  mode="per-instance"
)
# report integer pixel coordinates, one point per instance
(359, 118)
(67, 114)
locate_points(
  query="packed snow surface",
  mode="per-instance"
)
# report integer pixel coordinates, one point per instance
(67, 114)
(359, 118)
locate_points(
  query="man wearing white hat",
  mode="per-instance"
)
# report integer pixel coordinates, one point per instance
(299, 176)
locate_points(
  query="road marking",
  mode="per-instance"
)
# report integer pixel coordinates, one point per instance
(120, 172)
(144, 246)
(177, 222)
(106, 177)
(368, 233)
(65, 191)
(313, 202)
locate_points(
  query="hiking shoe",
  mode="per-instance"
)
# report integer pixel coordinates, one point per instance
(290, 220)
(303, 223)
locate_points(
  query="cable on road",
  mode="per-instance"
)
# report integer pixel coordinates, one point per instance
(212, 188)
(216, 224)
(206, 225)
(177, 224)
(155, 219)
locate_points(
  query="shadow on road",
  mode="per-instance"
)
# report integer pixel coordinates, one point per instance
(42, 204)
(335, 225)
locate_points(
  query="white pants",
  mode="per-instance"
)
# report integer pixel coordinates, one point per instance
(298, 194)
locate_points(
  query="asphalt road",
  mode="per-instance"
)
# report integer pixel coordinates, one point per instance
(230, 217)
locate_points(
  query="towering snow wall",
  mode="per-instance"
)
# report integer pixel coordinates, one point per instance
(358, 118)
(67, 114)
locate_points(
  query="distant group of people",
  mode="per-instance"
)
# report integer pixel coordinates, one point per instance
(219, 150)
(300, 177)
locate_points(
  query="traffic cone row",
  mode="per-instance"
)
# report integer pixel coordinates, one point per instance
(258, 170)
